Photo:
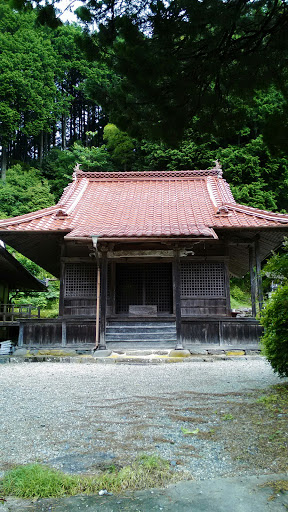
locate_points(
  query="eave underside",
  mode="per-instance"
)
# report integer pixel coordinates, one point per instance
(269, 239)
(41, 247)
(15, 275)
(44, 248)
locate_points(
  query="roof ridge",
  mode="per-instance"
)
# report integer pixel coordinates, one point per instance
(242, 208)
(148, 174)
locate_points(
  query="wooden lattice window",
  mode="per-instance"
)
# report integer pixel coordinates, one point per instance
(80, 280)
(202, 279)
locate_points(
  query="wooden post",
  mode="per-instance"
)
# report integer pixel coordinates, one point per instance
(64, 333)
(113, 287)
(97, 306)
(21, 335)
(62, 283)
(221, 337)
(227, 289)
(252, 278)
(103, 300)
(258, 274)
(177, 298)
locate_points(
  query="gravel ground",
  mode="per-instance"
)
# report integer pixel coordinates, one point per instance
(81, 417)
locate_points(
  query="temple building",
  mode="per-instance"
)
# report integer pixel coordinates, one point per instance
(146, 257)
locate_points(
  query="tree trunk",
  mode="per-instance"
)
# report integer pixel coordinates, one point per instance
(41, 148)
(3, 163)
(63, 129)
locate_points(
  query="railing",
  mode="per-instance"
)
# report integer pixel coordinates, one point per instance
(13, 313)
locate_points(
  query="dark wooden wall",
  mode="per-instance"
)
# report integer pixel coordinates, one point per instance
(204, 287)
(224, 331)
(208, 331)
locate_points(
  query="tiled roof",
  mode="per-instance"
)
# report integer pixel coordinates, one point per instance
(145, 204)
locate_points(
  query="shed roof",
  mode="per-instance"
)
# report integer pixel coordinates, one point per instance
(173, 204)
(15, 275)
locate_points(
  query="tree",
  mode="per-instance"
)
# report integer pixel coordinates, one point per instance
(179, 59)
(120, 147)
(27, 88)
(24, 192)
(274, 316)
(58, 166)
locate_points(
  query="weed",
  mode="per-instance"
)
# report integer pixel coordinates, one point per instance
(186, 431)
(35, 480)
(228, 417)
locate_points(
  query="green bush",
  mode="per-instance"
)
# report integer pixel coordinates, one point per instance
(275, 339)
(274, 317)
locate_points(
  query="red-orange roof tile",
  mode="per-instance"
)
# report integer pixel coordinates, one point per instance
(145, 204)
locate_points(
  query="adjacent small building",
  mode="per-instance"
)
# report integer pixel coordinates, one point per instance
(13, 277)
(146, 257)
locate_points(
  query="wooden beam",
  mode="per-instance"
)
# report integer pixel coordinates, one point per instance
(177, 298)
(258, 274)
(252, 278)
(103, 300)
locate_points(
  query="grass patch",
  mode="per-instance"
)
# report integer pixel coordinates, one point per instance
(38, 481)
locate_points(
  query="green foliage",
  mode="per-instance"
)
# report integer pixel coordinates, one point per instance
(23, 192)
(275, 340)
(37, 481)
(120, 147)
(240, 297)
(27, 66)
(258, 178)
(47, 300)
(173, 60)
(58, 165)
(274, 317)
(276, 268)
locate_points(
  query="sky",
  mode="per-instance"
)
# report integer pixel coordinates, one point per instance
(67, 7)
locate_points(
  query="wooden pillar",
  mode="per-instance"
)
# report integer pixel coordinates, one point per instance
(252, 278)
(103, 300)
(258, 274)
(62, 282)
(227, 289)
(64, 333)
(21, 335)
(113, 287)
(177, 298)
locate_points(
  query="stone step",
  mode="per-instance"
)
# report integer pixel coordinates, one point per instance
(148, 325)
(161, 342)
(142, 330)
(143, 337)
